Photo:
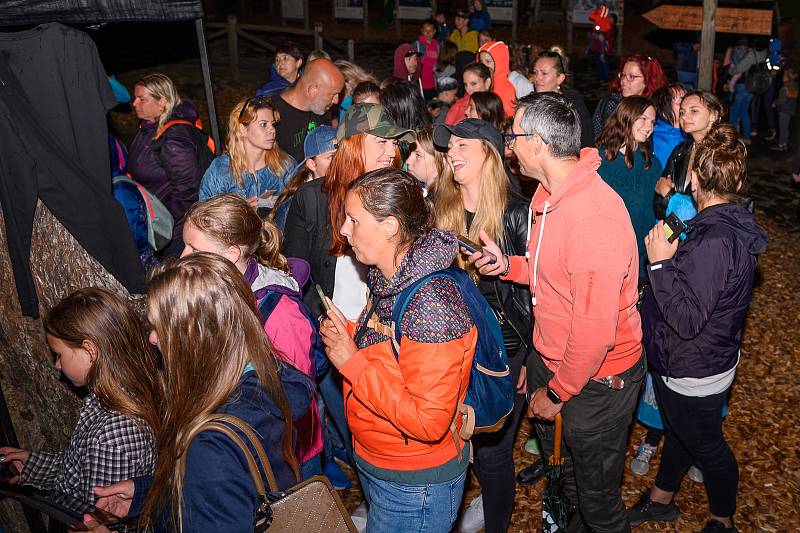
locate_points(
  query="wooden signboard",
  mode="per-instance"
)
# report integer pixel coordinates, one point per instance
(729, 19)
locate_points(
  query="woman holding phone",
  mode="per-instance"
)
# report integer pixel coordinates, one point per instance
(253, 166)
(477, 197)
(412, 467)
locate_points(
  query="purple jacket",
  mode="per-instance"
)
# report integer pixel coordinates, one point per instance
(177, 182)
(694, 311)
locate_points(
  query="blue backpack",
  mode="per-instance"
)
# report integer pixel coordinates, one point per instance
(490, 393)
(319, 361)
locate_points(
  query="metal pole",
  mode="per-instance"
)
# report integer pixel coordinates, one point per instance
(212, 110)
(233, 47)
(707, 44)
(351, 50)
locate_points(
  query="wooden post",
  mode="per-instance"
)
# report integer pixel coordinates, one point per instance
(233, 47)
(318, 36)
(351, 50)
(514, 18)
(397, 18)
(707, 44)
(307, 16)
(365, 8)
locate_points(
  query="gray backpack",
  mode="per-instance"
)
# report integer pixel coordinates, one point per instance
(159, 219)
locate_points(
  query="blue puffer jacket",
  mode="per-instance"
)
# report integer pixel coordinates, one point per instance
(175, 177)
(218, 492)
(665, 139)
(276, 84)
(694, 310)
(218, 179)
(480, 20)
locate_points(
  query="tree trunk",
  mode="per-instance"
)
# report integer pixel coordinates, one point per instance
(43, 408)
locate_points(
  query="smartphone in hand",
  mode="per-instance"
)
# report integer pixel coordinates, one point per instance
(673, 227)
(473, 247)
(323, 299)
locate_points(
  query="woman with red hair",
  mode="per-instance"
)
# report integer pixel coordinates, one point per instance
(639, 75)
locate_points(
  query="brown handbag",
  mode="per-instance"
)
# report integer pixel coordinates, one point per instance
(311, 506)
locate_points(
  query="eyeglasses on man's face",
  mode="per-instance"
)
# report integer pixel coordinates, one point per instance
(511, 138)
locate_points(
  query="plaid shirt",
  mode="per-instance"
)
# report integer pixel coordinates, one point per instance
(106, 447)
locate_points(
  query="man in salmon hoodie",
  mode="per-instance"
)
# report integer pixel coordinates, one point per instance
(582, 267)
(494, 55)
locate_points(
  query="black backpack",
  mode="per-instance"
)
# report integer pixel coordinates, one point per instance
(757, 79)
(204, 145)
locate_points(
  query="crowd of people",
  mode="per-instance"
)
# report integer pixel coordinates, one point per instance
(616, 251)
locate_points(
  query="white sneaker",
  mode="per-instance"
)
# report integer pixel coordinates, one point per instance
(359, 517)
(695, 474)
(472, 520)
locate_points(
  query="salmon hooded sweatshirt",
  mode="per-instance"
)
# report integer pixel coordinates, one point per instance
(500, 84)
(583, 268)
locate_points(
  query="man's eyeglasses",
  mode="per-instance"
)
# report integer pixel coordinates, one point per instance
(511, 138)
(628, 77)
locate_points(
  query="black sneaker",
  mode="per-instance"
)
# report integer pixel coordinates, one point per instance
(715, 526)
(646, 510)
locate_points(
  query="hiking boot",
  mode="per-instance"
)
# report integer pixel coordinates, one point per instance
(715, 526)
(695, 474)
(640, 464)
(646, 510)
(472, 520)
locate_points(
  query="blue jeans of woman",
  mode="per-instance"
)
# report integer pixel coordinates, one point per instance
(406, 508)
(740, 109)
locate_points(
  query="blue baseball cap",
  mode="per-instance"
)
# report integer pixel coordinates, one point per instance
(320, 140)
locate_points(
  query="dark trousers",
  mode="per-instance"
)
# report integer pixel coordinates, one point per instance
(693, 435)
(595, 437)
(494, 460)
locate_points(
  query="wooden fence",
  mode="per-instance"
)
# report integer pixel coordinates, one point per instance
(234, 30)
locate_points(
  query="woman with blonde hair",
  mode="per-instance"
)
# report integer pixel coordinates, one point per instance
(353, 76)
(478, 201)
(163, 156)
(217, 360)
(254, 166)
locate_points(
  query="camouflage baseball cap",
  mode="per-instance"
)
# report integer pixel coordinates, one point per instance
(372, 119)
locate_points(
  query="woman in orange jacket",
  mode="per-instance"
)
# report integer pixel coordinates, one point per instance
(401, 408)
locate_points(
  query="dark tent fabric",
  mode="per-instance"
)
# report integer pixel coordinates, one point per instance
(16, 12)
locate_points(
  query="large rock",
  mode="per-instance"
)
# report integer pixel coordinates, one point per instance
(43, 407)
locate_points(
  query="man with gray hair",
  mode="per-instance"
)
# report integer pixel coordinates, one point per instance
(582, 268)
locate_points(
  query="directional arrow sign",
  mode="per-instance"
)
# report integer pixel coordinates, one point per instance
(729, 19)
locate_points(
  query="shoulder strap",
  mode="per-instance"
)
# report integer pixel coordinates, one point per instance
(254, 441)
(171, 123)
(402, 300)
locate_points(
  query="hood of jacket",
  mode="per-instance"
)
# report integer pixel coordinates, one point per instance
(665, 138)
(275, 83)
(400, 70)
(262, 279)
(580, 178)
(499, 52)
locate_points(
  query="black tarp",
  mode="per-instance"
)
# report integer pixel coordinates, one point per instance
(18, 12)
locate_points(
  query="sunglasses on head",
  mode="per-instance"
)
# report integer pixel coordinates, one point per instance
(256, 101)
(554, 55)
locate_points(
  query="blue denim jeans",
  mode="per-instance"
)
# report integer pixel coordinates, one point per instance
(740, 109)
(404, 508)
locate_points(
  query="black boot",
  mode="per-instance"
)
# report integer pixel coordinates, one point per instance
(531, 474)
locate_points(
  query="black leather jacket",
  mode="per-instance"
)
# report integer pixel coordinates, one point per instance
(514, 312)
(677, 168)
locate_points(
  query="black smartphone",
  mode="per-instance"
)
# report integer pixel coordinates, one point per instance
(322, 298)
(473, 247)
(673, 227)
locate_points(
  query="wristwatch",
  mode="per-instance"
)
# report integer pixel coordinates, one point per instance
(553, 396)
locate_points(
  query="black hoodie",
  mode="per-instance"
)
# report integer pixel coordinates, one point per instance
(694, 310)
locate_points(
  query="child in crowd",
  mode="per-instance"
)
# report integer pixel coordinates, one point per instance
(442, 28)
(407, 65)
(477, 77)
(446, 64)
(353, 75)
(99, 343)
(786, 104)
(427, 47)
(446, 94)
(484, 36)
(367, 92)
(426, 163)
(225, 225)
(495, 56)
(488, 107)
(318, 149)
